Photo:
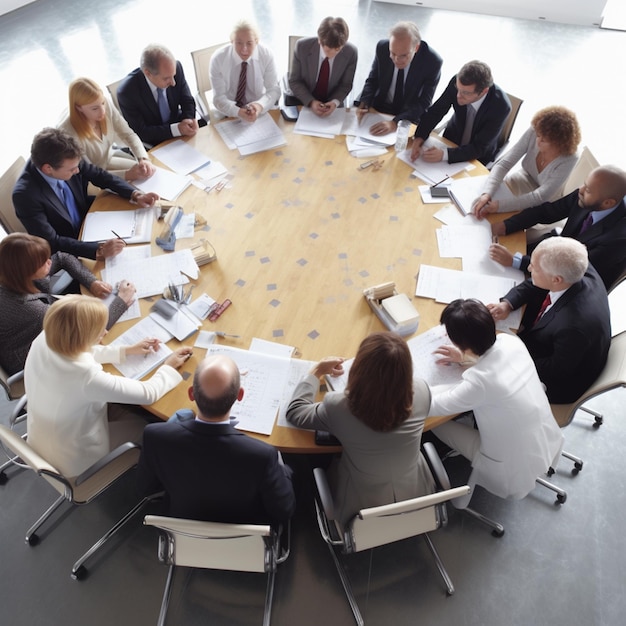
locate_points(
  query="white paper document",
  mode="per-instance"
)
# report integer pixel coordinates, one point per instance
(425, 365)
(352, 126)
(271, 347)
(179, 325)
(133, 225)
(249, 138)
(465, 190)
(432, 173)
(329, 126)
(298, 369)
(164, 183)
(138, 365)
(180, 157)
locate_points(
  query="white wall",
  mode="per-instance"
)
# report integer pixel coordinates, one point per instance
(583, 12)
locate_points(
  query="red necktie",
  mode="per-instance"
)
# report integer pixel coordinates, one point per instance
(321, 88)
(241, 86)
(544, 305)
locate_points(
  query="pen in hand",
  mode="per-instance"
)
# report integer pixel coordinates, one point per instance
(120, 238)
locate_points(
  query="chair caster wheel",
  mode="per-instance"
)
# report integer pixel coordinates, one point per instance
(3, 478)
(598, 422)
(577, 468)
(497, 533)
(550, 471)
(80, 573)
(33, 540)
(560, 499)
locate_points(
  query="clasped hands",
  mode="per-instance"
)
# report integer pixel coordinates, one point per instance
(430, 155)
(250, 112)
(323, 109)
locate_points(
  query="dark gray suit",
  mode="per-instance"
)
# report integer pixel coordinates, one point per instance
(304, 71)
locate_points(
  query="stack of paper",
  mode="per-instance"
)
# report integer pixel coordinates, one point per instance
(465, 190)
(180, 157)
(248, 138)
(164, 183)
(132, 226)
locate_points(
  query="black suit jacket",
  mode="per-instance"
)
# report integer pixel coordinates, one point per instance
(215, 473)
(43, 214)
(419, 87)
(570, 343)
(486, 130)
(605, 240)
(141, 111)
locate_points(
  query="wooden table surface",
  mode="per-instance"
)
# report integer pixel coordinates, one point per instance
(299, 232)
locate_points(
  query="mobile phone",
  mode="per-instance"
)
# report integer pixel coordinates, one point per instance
(290, 113)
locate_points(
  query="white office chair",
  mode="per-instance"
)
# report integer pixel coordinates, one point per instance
(9, 219)
(288, 98)
(380, 525)
(204, 97)
(617, 305)
(209, 545)
(112, 89)
(613, 376)
(77, 491)
(505, 133)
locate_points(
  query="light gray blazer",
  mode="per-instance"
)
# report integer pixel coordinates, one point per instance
(374, 468)
(304, 69)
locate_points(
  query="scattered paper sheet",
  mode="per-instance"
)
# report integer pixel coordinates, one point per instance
(180, 157)
(250, 138)
(465, 190)
(164, 183)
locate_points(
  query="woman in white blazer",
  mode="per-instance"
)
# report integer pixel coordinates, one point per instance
(517, 438)
(378, 419)
(69, 418)
(98, 126)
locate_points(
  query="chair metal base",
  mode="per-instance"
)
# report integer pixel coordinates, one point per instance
(497, 529)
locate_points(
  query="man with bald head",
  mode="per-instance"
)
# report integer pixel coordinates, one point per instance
(208, 470)
(566, 325)
(596, 216)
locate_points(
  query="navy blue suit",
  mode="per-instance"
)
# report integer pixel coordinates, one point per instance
(605, 240)
(43, 214)
(488, 124)
(142, 112)
(570, 343)
(212, 472)
(421, 81)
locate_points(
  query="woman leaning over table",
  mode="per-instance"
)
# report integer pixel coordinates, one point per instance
(378, 419)
(97, 126)
(548, 149)
(72, 421)
(25, 269)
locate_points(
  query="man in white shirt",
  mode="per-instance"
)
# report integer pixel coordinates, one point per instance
(243, 75)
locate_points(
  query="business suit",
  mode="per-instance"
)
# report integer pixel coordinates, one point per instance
(570, 343)
(141, 111)
(605, 240)
(488, 123)
(375, 468)
(420, 82)
(518, 438)
(213, 472)
(305, 69)
(43, 214)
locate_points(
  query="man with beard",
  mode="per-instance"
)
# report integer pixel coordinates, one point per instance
(596, 216)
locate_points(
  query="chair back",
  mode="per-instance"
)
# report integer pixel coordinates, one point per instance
(9, 219)
(586, 162)
(211, 545)
(617, 305)
(112, 89)
(612, 376)
(293, 39)
(505, 133)
(201, 62)
(380, 525)
(13, 385)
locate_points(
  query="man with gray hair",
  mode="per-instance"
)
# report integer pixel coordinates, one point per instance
(566, 326)
(243, 75)
(155, 98)
(208, 470)
(596, 216)
(403, 78)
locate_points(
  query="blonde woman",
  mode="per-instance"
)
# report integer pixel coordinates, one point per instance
(97, 126)
(71, 419)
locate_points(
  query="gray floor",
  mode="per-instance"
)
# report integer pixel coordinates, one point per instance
(555, 565)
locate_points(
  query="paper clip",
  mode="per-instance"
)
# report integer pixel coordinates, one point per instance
(214, 313)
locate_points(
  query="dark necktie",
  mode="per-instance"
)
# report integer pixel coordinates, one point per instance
(321, 88)
(241, 86)
(544, 305)
(587, 222)
(398, 96)
(164, 107)
(470, 114)
(70, 203)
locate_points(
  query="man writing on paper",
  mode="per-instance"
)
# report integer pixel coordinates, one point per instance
(51, 200)
(243, 75)
(209, 470)
(403, 78)
(155, 98)
(566, 325)
(323, 67)
(596, 216)
(480, 110)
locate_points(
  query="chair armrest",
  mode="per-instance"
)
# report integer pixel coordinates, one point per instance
(323, 489)
(104, 461)
(436, 466)
(17, 414)
(15, 377)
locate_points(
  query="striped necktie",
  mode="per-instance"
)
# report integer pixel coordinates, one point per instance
(241, 87)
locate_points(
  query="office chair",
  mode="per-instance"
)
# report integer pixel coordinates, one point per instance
(210, 545)
(612, 376)
(18, 416)
(617, 305)
(112, 89)
(288, 98)
(380, 525)
(77, 491)
(201, 63)
(505, 133)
